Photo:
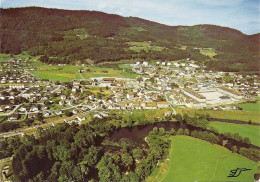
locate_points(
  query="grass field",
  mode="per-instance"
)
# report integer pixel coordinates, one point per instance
(250, 131)
(251, 106)
(208, 52)
(58, 73)
(138, 46)
(107, 72)
(191, 159)
(4, 57)
(232, 115)
(69, 72)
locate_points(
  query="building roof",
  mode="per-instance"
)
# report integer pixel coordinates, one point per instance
(192, 92)
(232, 91)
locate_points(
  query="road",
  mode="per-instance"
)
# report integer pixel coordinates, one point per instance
(20, 131)
(167, 99)
(10, 113)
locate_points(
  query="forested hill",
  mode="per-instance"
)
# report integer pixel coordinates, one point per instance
(69, 36)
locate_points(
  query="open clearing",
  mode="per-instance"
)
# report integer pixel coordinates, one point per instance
(232, 115)
(139, 46)
(208, 52)
(191, 159)
(250, 131)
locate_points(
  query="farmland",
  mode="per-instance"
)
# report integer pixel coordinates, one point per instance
(251, 106)
(192, 159)
(232, 115)
(139, 46)
(250, 131)
(208, 52)
(66, 73)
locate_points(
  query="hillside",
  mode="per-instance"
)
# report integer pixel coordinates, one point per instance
(69, 36)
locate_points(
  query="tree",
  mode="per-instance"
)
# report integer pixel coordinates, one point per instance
(108, 169)
(40, 116)
(127, 159)
(178, 117)
(138, 154)
(179, 132)
(68, 113)
(224, 142)
(247, 140)
(234, 149)
(186, 132)
(29, 122)
(172, 132)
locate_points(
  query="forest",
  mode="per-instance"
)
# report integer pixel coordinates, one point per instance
(66, 36)
(85, 152)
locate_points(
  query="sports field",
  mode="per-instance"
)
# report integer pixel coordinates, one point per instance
(192, 159)
(250, 131)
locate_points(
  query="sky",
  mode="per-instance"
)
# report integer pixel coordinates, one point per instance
(243, 15)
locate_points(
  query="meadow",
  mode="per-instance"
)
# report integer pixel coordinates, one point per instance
(208, 52)
(66, 73)
(250, 131)
(4, 57)
(232, 115)
(139, 46)
(192, 159)
(251, 106)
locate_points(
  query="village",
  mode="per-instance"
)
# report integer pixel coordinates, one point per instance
(25, 97)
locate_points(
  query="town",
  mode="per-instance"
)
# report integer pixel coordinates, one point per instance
(42, 103)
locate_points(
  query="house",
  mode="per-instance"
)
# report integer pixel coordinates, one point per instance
(109, 80)
(59, 112)
(14, 116)
(46, 114)
(145, 63)
(34, 109)
(58, 122)
(76, 83)
(70, 119)
(194, 95)
(130, 95)
(45, 126)
(29, 130)
(2, 108)
(61, 102)
(80, 117)
(32, 115)
(71, 101)
(162, 104)
(63, 97)
(74, 89)
(150, 105)
(231, 92)
(22, 109)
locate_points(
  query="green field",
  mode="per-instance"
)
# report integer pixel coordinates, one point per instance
(191, 159)
(69, 72)
(4, 57)
(232, 115)
(208, 52)
(139, 46)
(251, 106)
(250, 131)
(57, 73)
(107, 72)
